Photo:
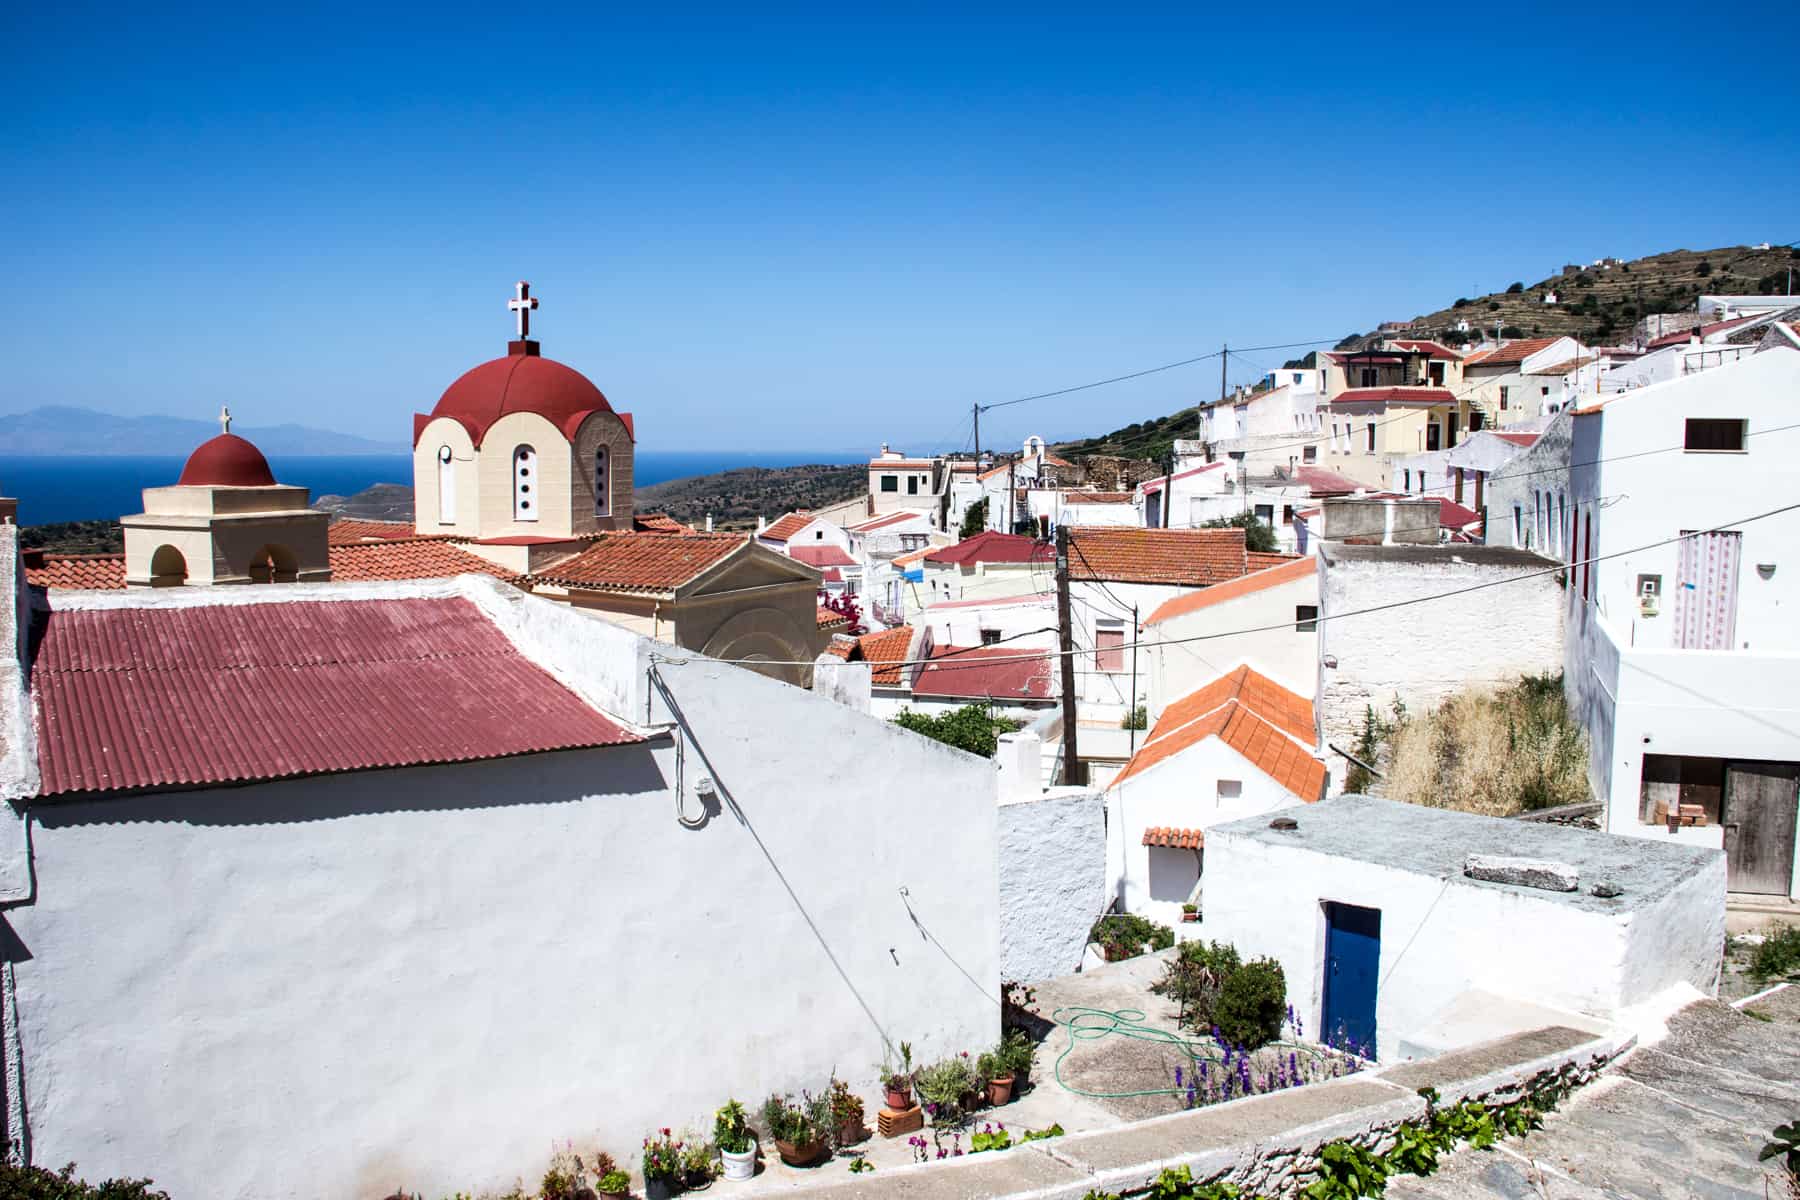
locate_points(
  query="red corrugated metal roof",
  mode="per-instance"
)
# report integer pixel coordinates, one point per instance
(1394, 395)
(991, 546)
(825, 554)
(135, 697)
(977, 672)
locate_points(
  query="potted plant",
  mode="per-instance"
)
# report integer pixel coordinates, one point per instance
(1190, 913)
(662, 1166)
(608, 1179)
(897, 1085)
(697, 1168)
(992, 1067)
(1016, 1051)
(737, 1145)
(949, 1088)
(846, 1114)
(800, 1130)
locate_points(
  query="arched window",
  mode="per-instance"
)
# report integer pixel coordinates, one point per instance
(167, 567)
(446, 479)
(274, 564)
(525, 484)
(602, 483)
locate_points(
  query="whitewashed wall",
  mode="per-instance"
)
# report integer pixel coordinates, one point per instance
(1440, 938)
(423, 978)
(1052, 881)
(1284, 654)
(1425, 652)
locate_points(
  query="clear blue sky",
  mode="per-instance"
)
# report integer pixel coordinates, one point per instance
(819, 230)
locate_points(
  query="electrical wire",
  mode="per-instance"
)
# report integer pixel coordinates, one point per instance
(1186, 362)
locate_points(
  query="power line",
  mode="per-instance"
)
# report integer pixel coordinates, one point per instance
(1186, 362)
(1323, 618)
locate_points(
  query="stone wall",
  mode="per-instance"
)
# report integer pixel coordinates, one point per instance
(1424, 652)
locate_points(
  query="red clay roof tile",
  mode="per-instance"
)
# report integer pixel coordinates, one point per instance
(1289, 570)
(1169, 837)
(1188, 557)
(643, 562)
(1253, 715)
(787, 525)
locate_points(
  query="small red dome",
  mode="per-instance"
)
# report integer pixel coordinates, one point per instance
(227, 461)
(520, 382)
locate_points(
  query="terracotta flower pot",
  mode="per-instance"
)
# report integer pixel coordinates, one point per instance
(899, 1099)
(1189, 918)
(999, 1091)
(850, 1132)
(799, 1156)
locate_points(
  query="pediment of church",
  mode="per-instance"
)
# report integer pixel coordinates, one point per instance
(756, 568)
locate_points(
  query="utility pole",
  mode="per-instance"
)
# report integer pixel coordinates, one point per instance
(1074, 773)
(977, 409)
(1012, 490)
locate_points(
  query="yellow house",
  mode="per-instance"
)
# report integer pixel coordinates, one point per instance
(1365, 428)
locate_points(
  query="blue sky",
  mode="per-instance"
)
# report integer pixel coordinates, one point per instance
(826, 228)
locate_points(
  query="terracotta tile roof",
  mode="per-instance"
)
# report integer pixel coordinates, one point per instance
(1054, 461)
(990, 546)
(904, 464)
(1565, 366)
(831, 620)
(1168, 837)
(831, 575)
(1510, 353)
(841, 646)
(1290, 571)
(1703, 332)
(913, 556)
(883, 651)
(643, 562)
(787, 526)
(1477, 356)
(994, 472)
(659, 523)
(418, 558)
(1394, 395)
(982, 672)
(1257, 717)
(826, 554)
(1517, 439)
(1097, 497)
(1188, 557)
(1422, 345)
(188, 697)
(350, 530)
(1262, 560)
(355, 562)
(106, 571)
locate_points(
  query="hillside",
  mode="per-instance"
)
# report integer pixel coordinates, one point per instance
(733, 498)
(1596, 304)
(57, 430)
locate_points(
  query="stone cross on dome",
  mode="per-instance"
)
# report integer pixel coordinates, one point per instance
(224, 418)
(521, 304)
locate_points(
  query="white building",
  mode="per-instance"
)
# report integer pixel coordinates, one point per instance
(1239, 745)
(1381, 933)
(898, 482)
(1682, 646)
(338, 889)
(1267, 618)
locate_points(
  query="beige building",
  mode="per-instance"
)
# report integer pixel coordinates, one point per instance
(897, 482)
(226, 520)
(1367, 428)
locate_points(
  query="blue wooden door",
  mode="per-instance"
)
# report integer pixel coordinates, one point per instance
(1352, 970)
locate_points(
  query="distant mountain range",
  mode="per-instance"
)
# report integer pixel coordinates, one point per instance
(56, 431)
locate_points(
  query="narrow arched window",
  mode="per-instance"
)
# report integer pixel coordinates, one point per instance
(525, 484)
(602, 483)
(446, 479)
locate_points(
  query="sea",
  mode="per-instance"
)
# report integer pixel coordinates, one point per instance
(94, 488)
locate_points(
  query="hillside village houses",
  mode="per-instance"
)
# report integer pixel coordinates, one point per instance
(536, 722)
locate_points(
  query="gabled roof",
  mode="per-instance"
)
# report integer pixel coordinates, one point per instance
(883, 651)
(1292, 571)
(1394, 395)
(1566, 365)
(1426, 346)
(1156, 484)
(981, 672)
(1703, 332)
(659, 523)
(1517, 439)
(103, 571)
(350, 530)
(643, 562)
(990, 546)
(1510, 353)
(787, 525)
(1257, 717)
(912, 556)
(1169, 837)
(196, 696)
(1185, 557)
(825, 554)
(1079, 497)
(1322, 481)
(831, 620)
(416, 558)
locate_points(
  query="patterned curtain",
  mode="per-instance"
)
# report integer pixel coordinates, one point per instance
(1706, 591)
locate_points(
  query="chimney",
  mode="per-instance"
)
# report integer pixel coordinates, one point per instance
(761, 524)
(709, 522)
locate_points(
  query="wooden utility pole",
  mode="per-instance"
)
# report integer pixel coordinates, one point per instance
(1131, 705)
(1012, 490)
(1224, 363)
(1074, 771)
(977, 409)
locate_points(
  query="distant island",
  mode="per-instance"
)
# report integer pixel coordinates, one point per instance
(59, 431)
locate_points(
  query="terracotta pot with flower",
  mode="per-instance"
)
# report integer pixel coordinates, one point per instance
(800, 1129)
(846, 1115)
(897, 1085)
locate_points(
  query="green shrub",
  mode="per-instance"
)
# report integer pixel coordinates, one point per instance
(1127, 935)
(1252, 1002)
(1257, 536)
(1193, 979)
(1513, 289)
(1779, 954)
(970, 728)
(1137, 718)
(974, 518)
(19, 1182)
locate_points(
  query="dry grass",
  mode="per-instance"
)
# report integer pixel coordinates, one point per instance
(1495, 753)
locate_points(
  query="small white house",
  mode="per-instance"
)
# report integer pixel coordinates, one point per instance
(1268, 619)
(1369, 908)
(1242, 744)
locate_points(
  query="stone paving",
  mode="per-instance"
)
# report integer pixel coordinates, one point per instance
(1684, 1117)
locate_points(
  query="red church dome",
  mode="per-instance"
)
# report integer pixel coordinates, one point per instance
(227, 461)
(521, 382)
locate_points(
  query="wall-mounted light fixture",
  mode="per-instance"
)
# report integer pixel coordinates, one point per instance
(1766, 570)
